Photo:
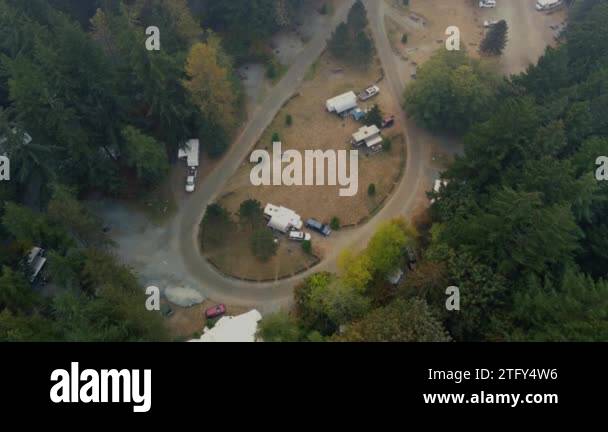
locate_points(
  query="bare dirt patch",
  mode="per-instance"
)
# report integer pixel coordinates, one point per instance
(314, 128)
(425, 23)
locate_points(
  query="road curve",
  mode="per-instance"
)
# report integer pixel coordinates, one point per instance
(269, 296)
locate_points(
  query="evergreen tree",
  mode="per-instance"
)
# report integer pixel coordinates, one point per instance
(496, 39)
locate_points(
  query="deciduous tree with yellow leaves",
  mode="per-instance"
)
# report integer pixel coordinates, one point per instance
(210, 83)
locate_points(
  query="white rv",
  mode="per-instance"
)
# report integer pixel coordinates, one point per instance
(282, 219)
(547, 5)
(343, 103)
(190, 153)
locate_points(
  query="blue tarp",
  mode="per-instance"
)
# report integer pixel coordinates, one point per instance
(358, 114)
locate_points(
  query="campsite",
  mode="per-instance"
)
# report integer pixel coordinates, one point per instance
(327, 99)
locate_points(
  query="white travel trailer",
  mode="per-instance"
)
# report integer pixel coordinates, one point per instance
(343, 103)
(190, 153)
(282, 219)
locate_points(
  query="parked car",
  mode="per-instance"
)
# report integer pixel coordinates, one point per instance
(318, 227)
(215, 311)
(487, 4)
(299, 236)
(190, 184)
(369, 93)
(388, 122)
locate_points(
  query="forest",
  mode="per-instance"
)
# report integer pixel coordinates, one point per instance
(85, 108)
(520, 229)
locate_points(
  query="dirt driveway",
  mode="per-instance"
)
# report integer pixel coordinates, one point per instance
(529, 32)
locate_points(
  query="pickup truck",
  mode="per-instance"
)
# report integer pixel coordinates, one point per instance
(369, 93)
(318, 227)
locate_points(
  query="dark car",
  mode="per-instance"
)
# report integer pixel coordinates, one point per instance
(318, 227)
(215, 311)
(388, 122)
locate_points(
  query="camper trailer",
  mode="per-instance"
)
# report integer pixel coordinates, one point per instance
(343, 103)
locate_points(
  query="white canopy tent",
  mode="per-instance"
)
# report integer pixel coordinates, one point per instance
(241, 328)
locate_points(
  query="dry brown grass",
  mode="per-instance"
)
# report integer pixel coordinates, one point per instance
(236, 259)
(313, 128)
(437, 15)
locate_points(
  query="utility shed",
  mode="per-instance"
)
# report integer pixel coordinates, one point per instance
(190, 152)
(344, 102)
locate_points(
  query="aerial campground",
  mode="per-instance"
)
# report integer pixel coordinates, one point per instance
(304, 171)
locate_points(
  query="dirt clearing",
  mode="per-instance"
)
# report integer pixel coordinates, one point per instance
(314, 128)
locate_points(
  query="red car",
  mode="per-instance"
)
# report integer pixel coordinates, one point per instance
(388, 122)
(215, 311)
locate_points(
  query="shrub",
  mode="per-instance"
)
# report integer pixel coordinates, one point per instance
(335, 223)
(289, 120)
(371, 190)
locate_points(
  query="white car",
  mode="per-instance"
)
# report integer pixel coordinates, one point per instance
(487, 4)
(299, 236)
(190, 185)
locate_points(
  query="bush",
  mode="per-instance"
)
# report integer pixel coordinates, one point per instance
(374, 116)
(289, 120)
(307, 247)
(276, 137)
(335, 223)
(371, 190)
(404, 38)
